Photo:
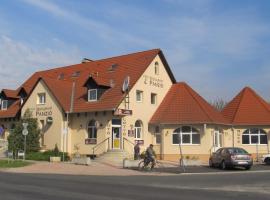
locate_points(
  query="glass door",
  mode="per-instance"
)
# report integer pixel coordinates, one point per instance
(217, 140)
(116, 137)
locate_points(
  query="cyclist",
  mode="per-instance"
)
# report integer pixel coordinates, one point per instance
(150, 156)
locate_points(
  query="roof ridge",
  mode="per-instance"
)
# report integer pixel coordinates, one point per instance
(75, 64)
(240, 100)
(185, 84)
(128, 54)
(260, 100)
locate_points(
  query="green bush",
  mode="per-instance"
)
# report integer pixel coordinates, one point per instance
(45, 156)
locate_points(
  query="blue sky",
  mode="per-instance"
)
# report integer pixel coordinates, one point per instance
(218, 47)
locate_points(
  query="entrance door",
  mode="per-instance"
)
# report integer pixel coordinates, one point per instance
(116, 137)
(217, 140)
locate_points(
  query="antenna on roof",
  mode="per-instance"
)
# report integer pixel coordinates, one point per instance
(125, 85)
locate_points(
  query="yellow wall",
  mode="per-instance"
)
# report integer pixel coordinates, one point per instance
(53, 132)
(144, 110)
(78, 132)
(251, 148)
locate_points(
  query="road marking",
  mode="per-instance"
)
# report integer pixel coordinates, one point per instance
(220, 172)
(231, 188)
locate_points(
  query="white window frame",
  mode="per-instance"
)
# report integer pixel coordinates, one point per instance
(155, 98)
(41, 98)
(93, 128)
(250, 134)
(186, 133)
(138, 129)
(139, 93)
(89, 91)
(4, 102)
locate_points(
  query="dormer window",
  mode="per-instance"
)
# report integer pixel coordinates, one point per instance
(4, 104)
(92, 95)
(41, 98)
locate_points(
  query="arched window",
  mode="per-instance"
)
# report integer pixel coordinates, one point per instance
(186, 135)
(92, 130)
(156, 68)
(138, 129)
(254, 136)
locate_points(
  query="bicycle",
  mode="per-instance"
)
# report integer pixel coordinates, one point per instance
(147, 165)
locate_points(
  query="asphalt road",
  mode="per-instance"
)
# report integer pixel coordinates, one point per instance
(240, 185)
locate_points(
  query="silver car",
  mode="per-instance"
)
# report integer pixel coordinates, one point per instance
(230, 157)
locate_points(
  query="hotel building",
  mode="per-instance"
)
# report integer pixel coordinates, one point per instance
(110, 104)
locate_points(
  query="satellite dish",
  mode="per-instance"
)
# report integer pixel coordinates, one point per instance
(125, 84)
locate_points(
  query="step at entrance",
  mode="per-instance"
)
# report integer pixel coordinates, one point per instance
(114, 157)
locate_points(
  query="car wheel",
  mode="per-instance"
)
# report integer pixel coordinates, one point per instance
(247, 167)
(223, 165)
(267, 161)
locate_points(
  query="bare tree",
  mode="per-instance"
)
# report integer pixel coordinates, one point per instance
(219, 104)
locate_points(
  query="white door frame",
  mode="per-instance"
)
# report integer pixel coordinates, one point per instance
(217, 140)
(120, 136)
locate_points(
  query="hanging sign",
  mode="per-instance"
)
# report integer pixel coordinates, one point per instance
(123, 112)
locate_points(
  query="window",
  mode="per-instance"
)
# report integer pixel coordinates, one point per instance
(139, 96)
(186, 135)
(138, 129)
(158, 135)
(41, 98)
(92, 130)
(153, 98)
(156, 68)
(254, 136)
(92, 94)
(4, 104)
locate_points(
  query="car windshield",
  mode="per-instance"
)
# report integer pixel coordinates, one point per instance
(237, 151)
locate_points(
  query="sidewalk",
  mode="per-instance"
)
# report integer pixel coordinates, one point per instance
(96, 168)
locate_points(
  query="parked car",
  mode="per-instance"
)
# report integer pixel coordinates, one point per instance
(266, 159)
(231, 157)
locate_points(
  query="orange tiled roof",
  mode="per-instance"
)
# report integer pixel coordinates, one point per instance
(60, 80)
(247, 108)
(182, 105)
(10, 93)
(12, 111)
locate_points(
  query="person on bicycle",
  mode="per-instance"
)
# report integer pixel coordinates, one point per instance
(150, 155)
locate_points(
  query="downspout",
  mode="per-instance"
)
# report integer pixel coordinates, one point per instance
(162, 141)
(68, 112)
(232, 136)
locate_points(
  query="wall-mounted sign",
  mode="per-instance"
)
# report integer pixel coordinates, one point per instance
(123, 112)
(152, 81)
(90, 141)
(44, 111)
(139, 142)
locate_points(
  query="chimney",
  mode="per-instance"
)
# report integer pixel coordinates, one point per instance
(86, 60)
